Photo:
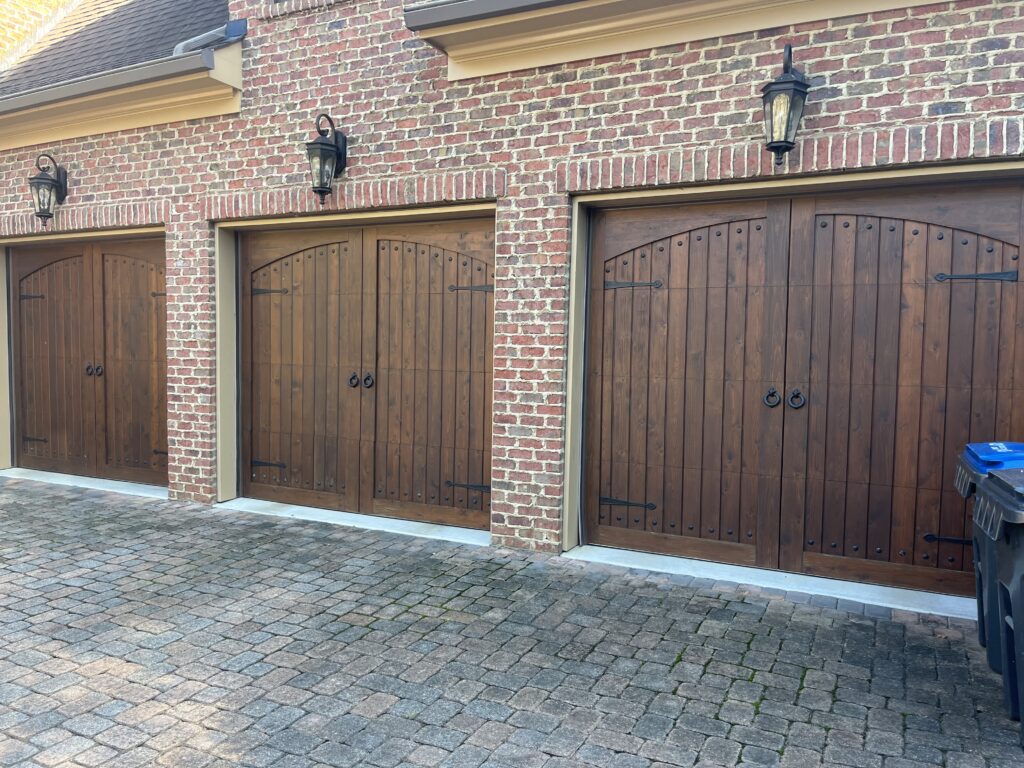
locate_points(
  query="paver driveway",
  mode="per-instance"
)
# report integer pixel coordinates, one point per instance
(135, 632)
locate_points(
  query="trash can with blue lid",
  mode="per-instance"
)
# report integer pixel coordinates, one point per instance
(976, 461)
(999, 513)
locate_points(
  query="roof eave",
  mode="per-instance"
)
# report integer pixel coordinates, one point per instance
(431, 16)
(205, 83)
(136, 74)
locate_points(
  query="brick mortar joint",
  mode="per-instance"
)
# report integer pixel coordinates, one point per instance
(277, 9)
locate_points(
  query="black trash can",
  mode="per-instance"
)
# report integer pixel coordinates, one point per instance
(976, 461)
(999, 511)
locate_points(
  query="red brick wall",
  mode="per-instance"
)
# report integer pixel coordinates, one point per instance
(933, 83)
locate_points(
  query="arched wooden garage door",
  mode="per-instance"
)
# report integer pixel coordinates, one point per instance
(367, 367)
(90, 348)
(812, 427)
(685, 345)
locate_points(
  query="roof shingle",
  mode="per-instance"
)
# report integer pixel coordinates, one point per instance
(102, 35)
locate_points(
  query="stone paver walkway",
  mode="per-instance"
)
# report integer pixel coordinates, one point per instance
(136, 633)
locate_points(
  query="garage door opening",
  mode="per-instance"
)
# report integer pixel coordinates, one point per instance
(89, 352)
(786, 383)
(367, 369)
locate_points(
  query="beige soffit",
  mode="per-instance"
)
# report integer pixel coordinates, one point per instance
(204, 83)
(489, 43)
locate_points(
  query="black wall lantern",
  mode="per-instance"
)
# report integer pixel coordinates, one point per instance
(327, 156)
(784, 99)
(48, 191)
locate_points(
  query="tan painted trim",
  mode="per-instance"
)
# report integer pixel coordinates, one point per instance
(6, 402)
(593, 28)
(783, 185)
(205, 93)
(579, 256)
(99, 234)
(437, 213)
(227, 375)
(575, 377)
(227, 65)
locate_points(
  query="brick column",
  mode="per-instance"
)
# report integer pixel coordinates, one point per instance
(191, 349)
(531, 304)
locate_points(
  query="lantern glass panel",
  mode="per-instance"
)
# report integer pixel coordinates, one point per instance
(42, 195)
(314, 165)
(768, 118)
(327, 165)
(780, 107)
(795, 111)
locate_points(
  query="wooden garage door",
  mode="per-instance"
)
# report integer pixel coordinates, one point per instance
(684, 454)
(883, 368)
(367, 366)
(89, 331)
(904, 317)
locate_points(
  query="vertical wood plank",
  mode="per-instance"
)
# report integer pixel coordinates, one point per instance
(655, 438)
(934, 369)
(693, 393)
(862, 371)
(800, 325)
(721, 242)
(886, 372)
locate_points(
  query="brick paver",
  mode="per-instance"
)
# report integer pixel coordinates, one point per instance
(143, 633)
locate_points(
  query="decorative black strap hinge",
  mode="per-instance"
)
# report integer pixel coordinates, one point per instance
(154, 294)
(1006, 277)
(470, 486)
(609, 284)
(28, 439)
(25, 296)
(262, 291)
(624, 503)
(275, 464)
(481, 288)
(932, 537)
(158, 452)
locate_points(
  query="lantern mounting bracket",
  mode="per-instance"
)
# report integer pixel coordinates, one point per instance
(329, 148)
(337, 137)
(60, 172)
(784, 100)
(48, 190)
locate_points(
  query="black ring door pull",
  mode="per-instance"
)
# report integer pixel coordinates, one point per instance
(796, 399)
(772, 398)
(368, 380)
(353, 380)
(99, 370)
(88, 369)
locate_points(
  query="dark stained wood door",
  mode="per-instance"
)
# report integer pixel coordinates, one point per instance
(434, 369)
(889, 323)
(367, 369)
(89, 333)
(52, 315)
(687, 339)
(132, 331)
(303, 335)
(900, 369)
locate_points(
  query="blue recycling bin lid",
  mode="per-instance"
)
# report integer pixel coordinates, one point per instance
(979, 459)
(992, 456)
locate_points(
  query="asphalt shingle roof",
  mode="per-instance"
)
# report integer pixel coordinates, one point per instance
(102, 35)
